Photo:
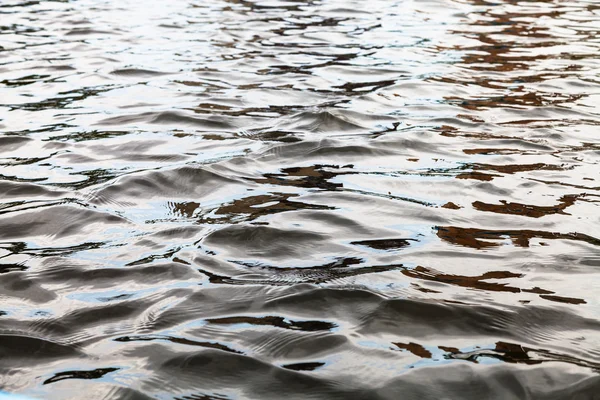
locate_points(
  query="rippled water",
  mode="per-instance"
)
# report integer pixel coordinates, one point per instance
(276, 199)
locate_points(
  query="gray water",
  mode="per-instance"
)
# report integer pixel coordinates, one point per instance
(300, 199)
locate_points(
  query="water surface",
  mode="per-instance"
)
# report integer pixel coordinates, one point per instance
(329, 199)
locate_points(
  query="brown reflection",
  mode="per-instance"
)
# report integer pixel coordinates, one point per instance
(487, 172)
(214, 136)
(514, 168)
(472, 118)
(511, 56)
(449, 349)
(315, 176)
(415, 348)
(424, 290)
(515, 353)
(451, 206)
(185, 209)
(538, 290)
(257, 206)
(475, 282)
(480, 176)
(527, 210)
(254, 207)
(512, 31)
(479, 238)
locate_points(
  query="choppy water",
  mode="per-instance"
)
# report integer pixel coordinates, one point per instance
(276, 199)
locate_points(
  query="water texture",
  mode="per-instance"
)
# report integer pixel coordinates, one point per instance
(327, 199)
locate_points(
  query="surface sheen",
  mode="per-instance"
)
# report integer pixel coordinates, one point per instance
(327, 199)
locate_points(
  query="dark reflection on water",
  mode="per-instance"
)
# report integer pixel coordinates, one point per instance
(301, 199)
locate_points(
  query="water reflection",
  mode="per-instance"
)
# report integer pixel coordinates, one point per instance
(302, 194)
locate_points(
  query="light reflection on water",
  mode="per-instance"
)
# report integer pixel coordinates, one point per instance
(324, 199)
